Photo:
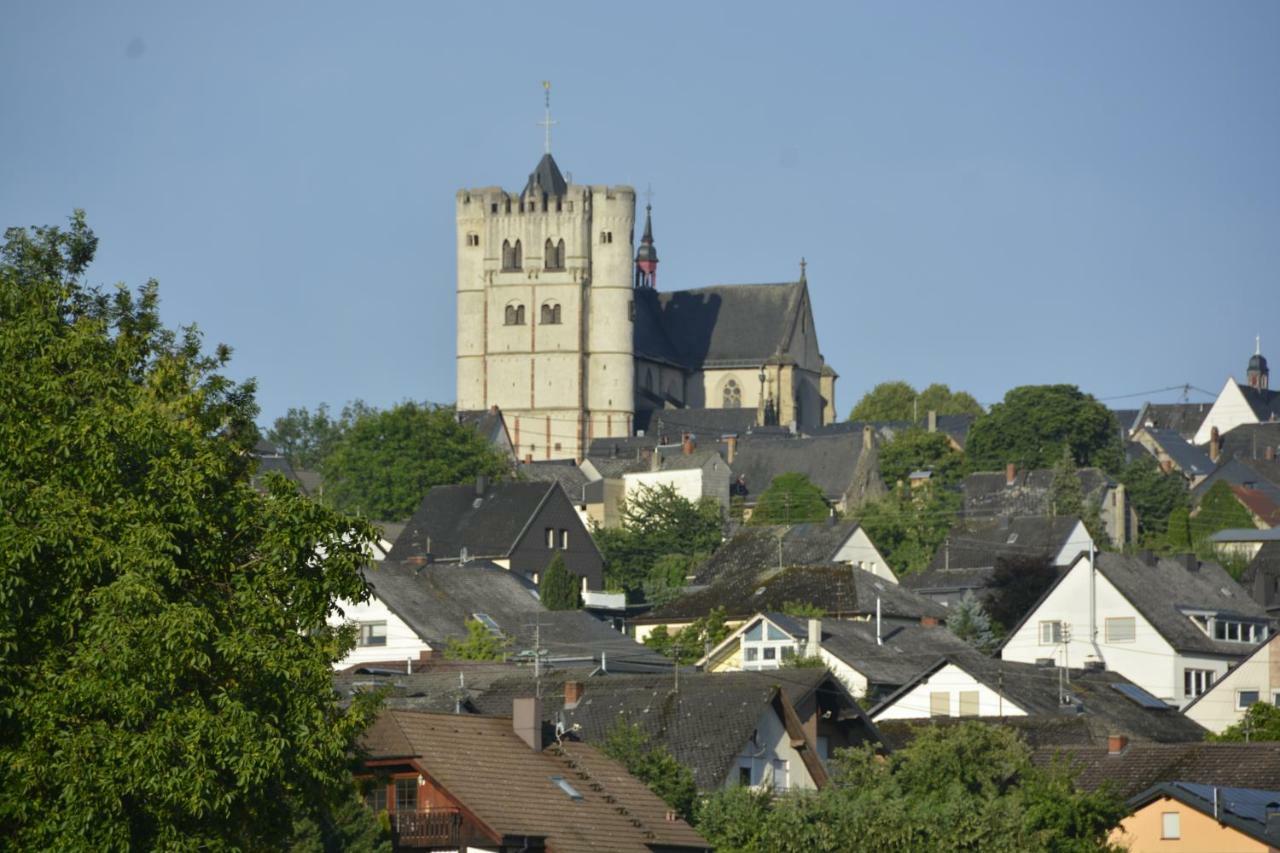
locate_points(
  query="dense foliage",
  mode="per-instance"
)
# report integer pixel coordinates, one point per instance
(657, 523)
(1219, 510)
(1261, 722)
(1067, 499)
(557, 588)
(919, 450)
(965, 787)
(1035, 422)
(691, 642)
(165, 662)
(899, 401)
(654, 765)
(908, 526)
(1154, 495)
(386, 460)
(307, 438)
(1016, 585)
(479, 644)
(790, 499)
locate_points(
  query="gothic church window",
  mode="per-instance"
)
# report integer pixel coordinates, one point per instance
(550, 314)
(511, 255)
(514, 315)
(732, 395)
(553, 255)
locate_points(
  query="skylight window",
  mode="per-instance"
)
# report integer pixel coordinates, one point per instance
(570, 791)
(487, 621)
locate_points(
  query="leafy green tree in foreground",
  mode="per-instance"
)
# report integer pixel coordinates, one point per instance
(966, 787)
(656, 523)
(387, 460)
(899, 401)
(790, 499)
(1260, 723)
(165, 662)
(557, 589)
(480, 644)
(1033, 424)
(653, 764)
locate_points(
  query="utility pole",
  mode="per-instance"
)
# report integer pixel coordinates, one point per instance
(537, 657)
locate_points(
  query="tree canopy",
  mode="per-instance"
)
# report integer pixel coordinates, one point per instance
(969, 621)
(909, 526)
(919, 450)
(1033, 424)
(691, 642)
(790, 499)
(165, 659)
(307, 438)
(1154, 495)
(653, 764)
(557, 588)
(970, 786)
(1261, 722)
(899, 401)
(656, 523)
(385, 461)
(1016, 585)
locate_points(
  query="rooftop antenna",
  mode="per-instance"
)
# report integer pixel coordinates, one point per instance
(546, 122)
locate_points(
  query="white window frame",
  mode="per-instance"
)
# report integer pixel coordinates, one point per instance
(1055, 631)
(1241, 705)
(1110, 634)
(1170, 830)
(367, 634)
(1195, 682)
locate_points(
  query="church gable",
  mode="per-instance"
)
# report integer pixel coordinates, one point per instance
(722, 325)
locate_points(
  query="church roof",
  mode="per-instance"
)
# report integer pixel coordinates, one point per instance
(720, 326)
(546, 178)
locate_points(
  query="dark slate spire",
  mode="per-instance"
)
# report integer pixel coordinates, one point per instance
(1258, 376)
(647, 255)
(546, 178)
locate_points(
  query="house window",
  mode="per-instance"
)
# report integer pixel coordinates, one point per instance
(750, 654)
(606, 236)
(373, 633)
(940, 704)
(1245, 698)
(1120, 629)
(968, 703)
(1050, 633)
(1196, 681)
(744, 772)
(770, 653)
(406, 795)
(553, 255)
(551, 537)
(473, 239)
(781, 774)
(564, 539)
(376, 797)
(732, 395)
(1275, 698)
(1238, 632)
(1170, 826)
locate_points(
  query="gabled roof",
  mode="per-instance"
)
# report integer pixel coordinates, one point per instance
(723, 325)
(546, 178)
(833, 463)
(1259, 503)
(488, 525)
(1189, 458)
(1274, 639)
(1250, 441)
(979, 544)
(1185, 418)
(1164, 591)
(511, 789)
(988, 493)
(1264, 402)
(1243, 809)
(1251, 473)
(437, 600)
(754, 548)
(563, 471)
(1141, 765)
(836, 588)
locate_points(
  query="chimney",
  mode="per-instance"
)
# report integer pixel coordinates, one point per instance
(415, 560)
(1269, 454)
(493, 410)
(1116, 744)
(1215, 444)
(572, 693)
(526, 719)
(814, 644)
(482, 485)
(732, 451)
(1044, 663)
(686, 444)
(868, 436)
(929, 621)
(1010, 473)
(1094, 665)
(1167, 466)
(528, 459)
(932, 420)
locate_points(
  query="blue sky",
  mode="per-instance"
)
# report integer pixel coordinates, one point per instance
(988, 195)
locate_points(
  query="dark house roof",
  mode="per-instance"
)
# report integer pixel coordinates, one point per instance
(1164, 590)
(1185, 418)
(723, 325)
(1250, 441)
(437, 600)
(705, 424)
(1264, 402)
(1248, 810)
(1099, 695)
(754, 548)
(487, 522)
(1141, 765)
(835, 587)
(271, 460)
(837, 464)
(491, 426)
(1262, 577)
(1251, 473)
(988, 494)
(1189, 458)
(980, 544)
(903, 650)
(512, 789)
(563, 471)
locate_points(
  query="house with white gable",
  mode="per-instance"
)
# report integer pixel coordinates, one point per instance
(691, 472)
(1254, 679)
(1173, 626)
(1252, 402)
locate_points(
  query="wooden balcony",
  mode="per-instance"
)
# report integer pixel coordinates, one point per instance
(431, 828)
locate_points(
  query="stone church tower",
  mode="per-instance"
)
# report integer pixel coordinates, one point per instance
(545, 310)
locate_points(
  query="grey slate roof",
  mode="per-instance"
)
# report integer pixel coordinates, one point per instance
(437, 599)
(1250, 441)
(836, 588)
(987, 494)
(1264, 402)
(1253, 473)
(1190, 459)
(1141, 765)
(271, 460)
(722, 325)
(451, 518)
(754, 548)
(563, 471)
(904, 650)
(546, 178)
(1185, 418)
(1262, 577)
(706, 424)
(833, 463)
(1163, 591)
(980, 544)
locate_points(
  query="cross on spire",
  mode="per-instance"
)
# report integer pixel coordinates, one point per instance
(648, 196)
(803, 264)
(546, 121)
(1257, 345)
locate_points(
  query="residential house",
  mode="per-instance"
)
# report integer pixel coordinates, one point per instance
(502, 784)
(954, 427)
(1245, 542)
(1173, 453)
(1130, 767)
(757, 548)
(521, 526)
(1014, 493)
(1250, 402)
(1183, 418)
(416, 609)
(838, 590)
(1187, 816)
(967, 560)
(871, 660)
(969, 684)
(1254, 679)
(1172, 626)
(846, 467)
(571, 477)
(1255, 482)
(1262, 578)
(693, 473)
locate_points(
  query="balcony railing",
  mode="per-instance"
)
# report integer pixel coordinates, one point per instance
(430, 828)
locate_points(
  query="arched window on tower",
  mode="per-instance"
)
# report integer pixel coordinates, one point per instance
(508, 256)
(519, 315)
(553, 255)
(519, 256)
(510, 318)
(550, 314)
(555, 314)
(514, 315)
(732, 395)
(560, 255)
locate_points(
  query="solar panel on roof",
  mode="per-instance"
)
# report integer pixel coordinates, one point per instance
(1142, 697)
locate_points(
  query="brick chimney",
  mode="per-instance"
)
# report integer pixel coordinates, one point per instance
(528, 459)
(732, 451)
(1010, 473)
(1215, 444)
(493, 410)
(572, 693)
(868, 437)
(526, 719)
(687, 444)
(929, 621)
(1269, 454)
(1116, 744)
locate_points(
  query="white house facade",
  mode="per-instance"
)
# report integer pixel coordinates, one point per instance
(381, 635)
(1255, 679)
(949, 691)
